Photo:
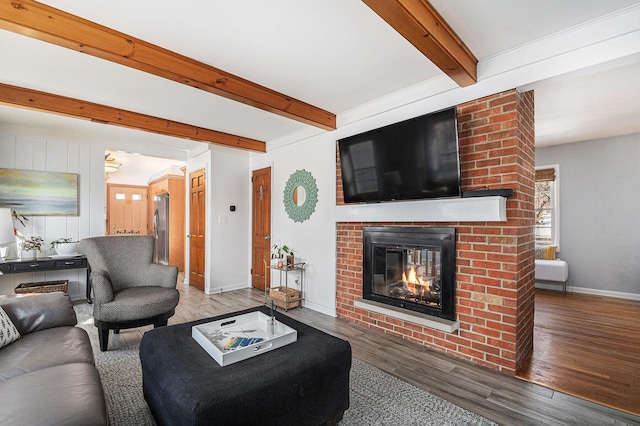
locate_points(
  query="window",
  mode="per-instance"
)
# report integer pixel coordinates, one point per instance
(364, 165)
(547, 229)
(136, 197)
(120, 196)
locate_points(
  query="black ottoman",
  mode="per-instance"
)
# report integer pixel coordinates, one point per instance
(303, 383)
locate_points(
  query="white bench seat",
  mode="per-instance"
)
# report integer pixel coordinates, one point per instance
(552, 270)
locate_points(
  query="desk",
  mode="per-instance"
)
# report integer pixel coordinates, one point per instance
(43, 264)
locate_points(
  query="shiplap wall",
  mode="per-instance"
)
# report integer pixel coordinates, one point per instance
(84, 159)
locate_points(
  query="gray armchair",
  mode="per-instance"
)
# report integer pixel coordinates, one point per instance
(129, 290)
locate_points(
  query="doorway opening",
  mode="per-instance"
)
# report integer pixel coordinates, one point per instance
(132, 183)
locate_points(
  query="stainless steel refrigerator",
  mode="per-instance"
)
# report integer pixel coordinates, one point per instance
(161, 228)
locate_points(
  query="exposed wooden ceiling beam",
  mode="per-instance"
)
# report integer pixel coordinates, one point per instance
(422, 26)
(42, 22)
(41, 101)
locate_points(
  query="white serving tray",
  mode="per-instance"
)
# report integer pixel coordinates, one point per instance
(213, 336)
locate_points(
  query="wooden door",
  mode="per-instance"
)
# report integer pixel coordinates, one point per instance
(126, 210)
(261, 225)
(197, 229)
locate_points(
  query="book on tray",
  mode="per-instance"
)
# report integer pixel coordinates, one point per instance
(241, 342)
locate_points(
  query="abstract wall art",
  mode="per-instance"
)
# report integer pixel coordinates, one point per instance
(35, 193)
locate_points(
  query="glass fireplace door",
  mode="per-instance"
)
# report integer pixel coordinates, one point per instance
(408, 274)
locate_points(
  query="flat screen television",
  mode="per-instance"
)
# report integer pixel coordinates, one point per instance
(414, 159)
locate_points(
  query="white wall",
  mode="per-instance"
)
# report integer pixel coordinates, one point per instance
(599, 205)
(312, 241)
(28, 152)
(227, 233)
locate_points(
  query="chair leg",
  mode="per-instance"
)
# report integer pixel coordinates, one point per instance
(161, 323)
(103, 336)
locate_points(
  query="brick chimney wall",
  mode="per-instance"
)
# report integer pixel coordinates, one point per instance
(494, 260)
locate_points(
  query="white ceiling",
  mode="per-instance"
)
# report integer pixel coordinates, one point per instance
(135, 169)
(340, 56)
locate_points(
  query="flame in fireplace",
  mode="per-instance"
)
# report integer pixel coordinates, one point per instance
(414, 283)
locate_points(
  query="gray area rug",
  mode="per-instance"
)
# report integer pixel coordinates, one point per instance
(374, 397)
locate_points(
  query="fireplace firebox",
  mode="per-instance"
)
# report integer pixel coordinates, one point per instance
(411, 268)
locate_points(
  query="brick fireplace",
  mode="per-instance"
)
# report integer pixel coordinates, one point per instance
(494, 275)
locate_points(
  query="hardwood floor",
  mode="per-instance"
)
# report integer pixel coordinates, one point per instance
(587, 346)
(504, 399)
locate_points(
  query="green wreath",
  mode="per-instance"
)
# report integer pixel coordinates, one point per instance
(304, 179)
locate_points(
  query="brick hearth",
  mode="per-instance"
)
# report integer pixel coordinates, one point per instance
(494, 260)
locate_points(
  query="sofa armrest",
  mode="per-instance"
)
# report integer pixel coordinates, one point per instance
(39, 312)
(162, 275)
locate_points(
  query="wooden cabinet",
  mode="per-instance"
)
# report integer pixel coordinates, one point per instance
(175, 186)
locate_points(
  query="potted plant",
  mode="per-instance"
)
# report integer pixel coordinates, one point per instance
(29, 247)
(282, 253)
(65, 246)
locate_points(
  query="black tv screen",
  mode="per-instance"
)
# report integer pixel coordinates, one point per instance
(414, 159)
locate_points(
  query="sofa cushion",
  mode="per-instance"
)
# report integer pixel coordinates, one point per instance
(8, 331)
(39, 312)
(46, 348)
(68, 395)
(136, 303)
(551, 270)
(545, 252)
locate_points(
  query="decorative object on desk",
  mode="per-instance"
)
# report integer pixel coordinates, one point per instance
(29, 247)
(40, 193)
(65, 246)
(300, 195)
(7, 233)
(20, 218)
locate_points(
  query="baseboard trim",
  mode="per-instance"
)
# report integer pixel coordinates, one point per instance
(593, 291)
(219, 290)
(319, 308)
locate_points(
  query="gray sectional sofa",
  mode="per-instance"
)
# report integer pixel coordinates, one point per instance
(48, 376)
